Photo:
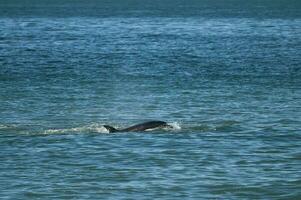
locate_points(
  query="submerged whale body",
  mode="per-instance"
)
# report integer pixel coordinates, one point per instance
(140, 127)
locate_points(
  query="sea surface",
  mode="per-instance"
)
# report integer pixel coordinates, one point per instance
(225, 74)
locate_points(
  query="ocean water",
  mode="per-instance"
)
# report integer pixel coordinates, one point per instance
(225, 74)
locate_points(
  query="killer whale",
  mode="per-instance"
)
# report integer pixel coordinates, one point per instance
(140, 127)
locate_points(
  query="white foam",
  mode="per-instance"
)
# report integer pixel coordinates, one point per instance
(175, 126)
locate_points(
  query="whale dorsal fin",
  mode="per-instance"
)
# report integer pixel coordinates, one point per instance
(110, 128)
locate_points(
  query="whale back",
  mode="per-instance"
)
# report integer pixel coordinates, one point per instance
(146, 125)
(139, 127)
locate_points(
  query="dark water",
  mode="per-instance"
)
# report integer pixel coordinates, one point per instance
(225, 74)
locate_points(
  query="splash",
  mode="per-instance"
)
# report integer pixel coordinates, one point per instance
(175, 126)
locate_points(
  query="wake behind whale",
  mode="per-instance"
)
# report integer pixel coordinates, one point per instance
(140, 127)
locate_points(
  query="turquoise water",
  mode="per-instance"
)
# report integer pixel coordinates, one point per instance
(225, 74)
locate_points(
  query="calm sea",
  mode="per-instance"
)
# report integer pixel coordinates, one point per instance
(225, 74)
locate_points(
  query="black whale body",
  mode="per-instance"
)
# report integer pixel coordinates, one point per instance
(140, 127)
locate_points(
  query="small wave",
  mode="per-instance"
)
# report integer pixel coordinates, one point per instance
(2, 126)
(8, 127)
(201, 128)
(92, 128)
